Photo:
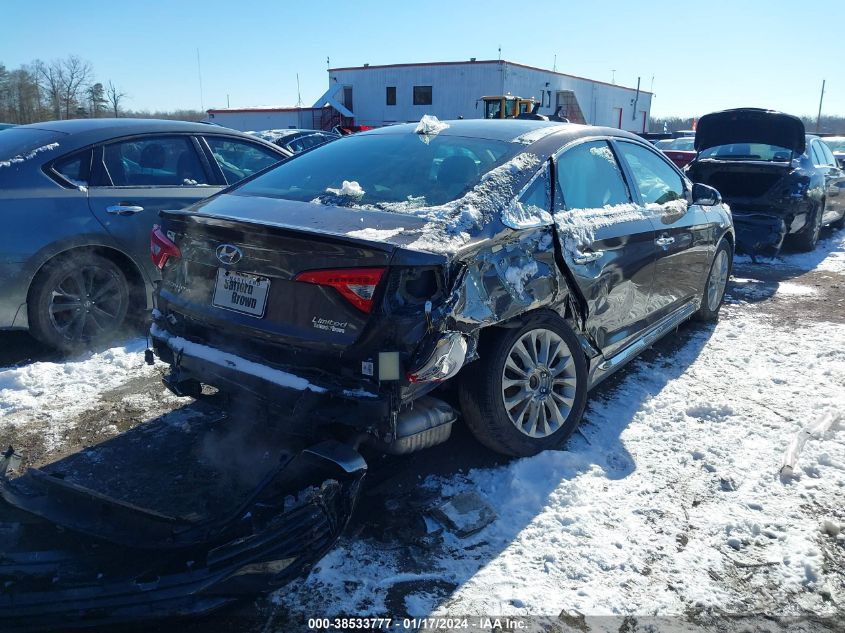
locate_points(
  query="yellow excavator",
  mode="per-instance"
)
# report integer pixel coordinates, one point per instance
(507, 106)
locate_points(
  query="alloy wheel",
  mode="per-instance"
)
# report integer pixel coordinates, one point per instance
(86, 303)
(539, 383)
(718, 280)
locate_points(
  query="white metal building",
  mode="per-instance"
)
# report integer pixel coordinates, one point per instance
(394, 93)
(378, 95)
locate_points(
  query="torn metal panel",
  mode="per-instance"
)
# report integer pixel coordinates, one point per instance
(508, 278)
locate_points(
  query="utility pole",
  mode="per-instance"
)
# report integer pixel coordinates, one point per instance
(298, 93)
(554, 64)
(819, 117)
(199, 73)
(613, 78)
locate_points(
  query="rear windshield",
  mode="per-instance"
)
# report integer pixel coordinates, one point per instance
(381, 170)
(17, 142)
(748, 151)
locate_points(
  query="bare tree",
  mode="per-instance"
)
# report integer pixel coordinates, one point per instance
(74, 73)
(114, 96)
(50, 83)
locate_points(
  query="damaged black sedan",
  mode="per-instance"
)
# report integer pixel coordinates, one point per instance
(780, 182)
(524, 260)
(330, 300)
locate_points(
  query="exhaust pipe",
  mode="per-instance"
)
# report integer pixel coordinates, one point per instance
(427, 424)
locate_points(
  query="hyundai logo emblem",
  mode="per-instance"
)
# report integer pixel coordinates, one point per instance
(229, 254)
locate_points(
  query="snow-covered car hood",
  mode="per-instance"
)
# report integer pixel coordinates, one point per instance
(750, 125)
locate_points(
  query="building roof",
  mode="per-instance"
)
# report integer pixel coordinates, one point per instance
(261, 108)
(484, 61)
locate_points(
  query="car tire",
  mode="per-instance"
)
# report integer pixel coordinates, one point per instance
(717, 283)
(807, 239)
(77, 301)
(548, 388)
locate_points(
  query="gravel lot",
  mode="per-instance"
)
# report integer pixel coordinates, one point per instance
(669, 502)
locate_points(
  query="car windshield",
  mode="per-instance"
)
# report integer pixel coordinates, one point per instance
(748, 151)
(384, 169)
(836, 144)
(17, 141)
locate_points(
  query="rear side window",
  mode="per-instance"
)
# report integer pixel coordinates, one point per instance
(657, 182)
(817, 155)
(589, 177)
(76, 168)
(239, 159)
(157, 161)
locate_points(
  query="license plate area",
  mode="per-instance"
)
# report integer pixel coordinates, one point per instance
(241, 292)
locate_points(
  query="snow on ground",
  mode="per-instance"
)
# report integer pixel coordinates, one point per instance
(669, 502)
(48, 398)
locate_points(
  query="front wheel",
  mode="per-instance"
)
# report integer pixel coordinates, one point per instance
(717, 283)
(528, 390)
(77, 301)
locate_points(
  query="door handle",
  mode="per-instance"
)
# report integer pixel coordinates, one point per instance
(124, 209)
(586, 258)
(664, 241)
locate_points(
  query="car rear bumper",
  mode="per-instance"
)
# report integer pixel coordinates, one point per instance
(757, 233)
(292, 391)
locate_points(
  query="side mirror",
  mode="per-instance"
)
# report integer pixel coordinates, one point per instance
(705, 195)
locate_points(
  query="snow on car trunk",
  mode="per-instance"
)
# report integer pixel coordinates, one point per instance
(670, 502)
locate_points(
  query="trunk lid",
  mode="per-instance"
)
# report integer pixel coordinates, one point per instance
(750, 125)
(279, 244)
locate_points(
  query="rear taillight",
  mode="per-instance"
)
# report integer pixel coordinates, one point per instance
(162, 248)
(357, 285)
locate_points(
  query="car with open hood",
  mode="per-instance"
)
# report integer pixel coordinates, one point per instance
(524, 260)
(779, 182)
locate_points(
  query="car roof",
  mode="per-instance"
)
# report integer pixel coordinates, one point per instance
(78, 133)
(119, 127)
(510, 130)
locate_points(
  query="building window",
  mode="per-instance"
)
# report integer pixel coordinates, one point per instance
(347, 97)
(391, 95)
(422, 95)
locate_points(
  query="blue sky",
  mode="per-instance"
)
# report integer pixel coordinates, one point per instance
(703, 56)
